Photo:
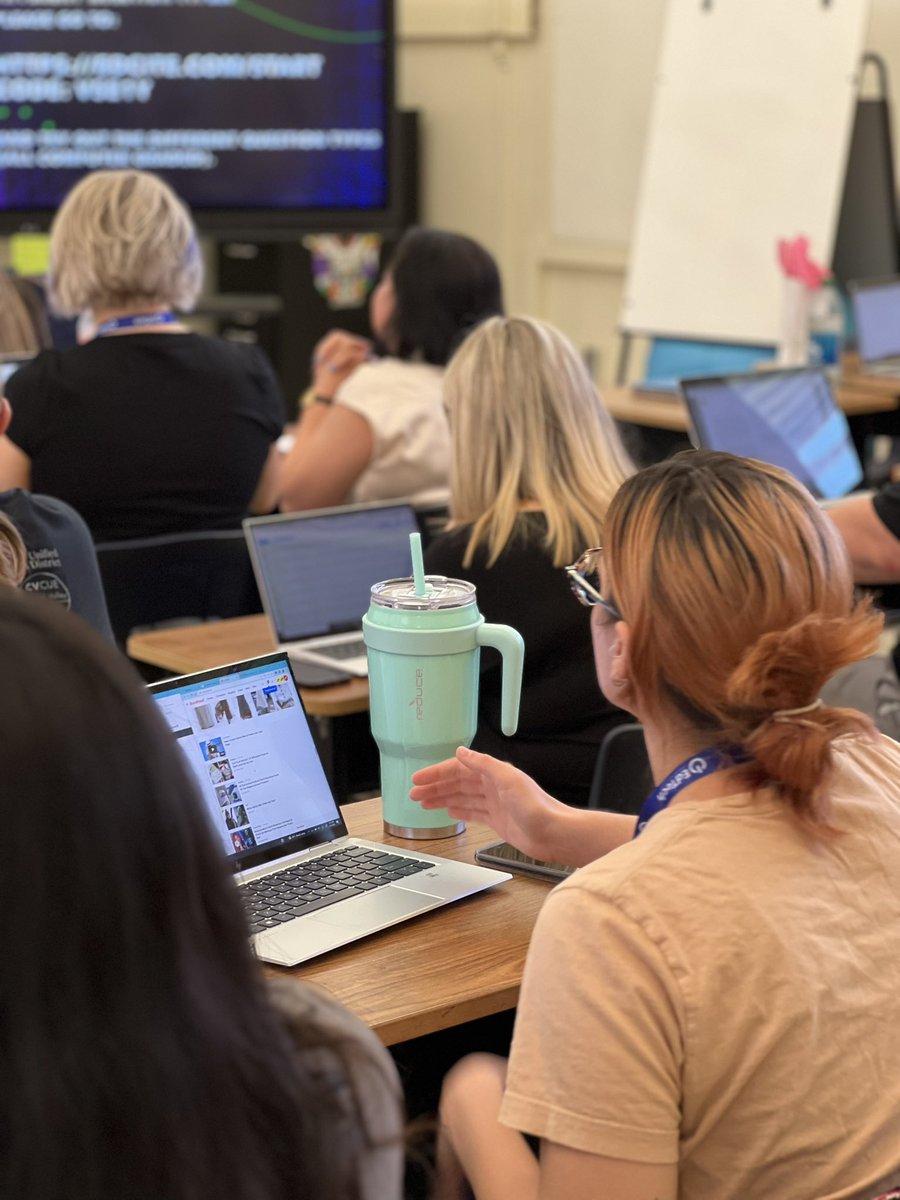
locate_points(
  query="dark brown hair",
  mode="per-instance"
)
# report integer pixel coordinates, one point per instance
(739, 595)
(444, 284)
(140, 1055)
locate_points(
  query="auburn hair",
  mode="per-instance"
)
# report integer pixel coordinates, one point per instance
(739, 595)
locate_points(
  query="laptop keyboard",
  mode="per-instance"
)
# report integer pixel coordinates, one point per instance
(322, 881)
(340, 650)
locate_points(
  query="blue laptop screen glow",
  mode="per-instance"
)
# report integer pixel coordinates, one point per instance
(319, 570)
(787, 418)
(877, 314)
(247, 741)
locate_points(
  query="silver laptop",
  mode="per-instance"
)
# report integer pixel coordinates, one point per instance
(787, 418)
(314, 571)
(307, 886)
(876, 313)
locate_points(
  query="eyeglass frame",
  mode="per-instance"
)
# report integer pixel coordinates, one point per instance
(582, 588)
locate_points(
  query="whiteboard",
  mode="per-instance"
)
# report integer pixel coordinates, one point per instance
(748, 142)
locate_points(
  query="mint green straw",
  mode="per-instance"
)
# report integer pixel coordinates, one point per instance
(415, 546)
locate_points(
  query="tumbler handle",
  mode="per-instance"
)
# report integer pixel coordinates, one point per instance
(511, 646)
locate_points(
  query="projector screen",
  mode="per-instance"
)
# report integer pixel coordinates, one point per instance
(258, 112)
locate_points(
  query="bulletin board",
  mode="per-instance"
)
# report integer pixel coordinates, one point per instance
(748, 143)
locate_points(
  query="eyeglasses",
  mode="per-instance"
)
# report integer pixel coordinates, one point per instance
(584, 580)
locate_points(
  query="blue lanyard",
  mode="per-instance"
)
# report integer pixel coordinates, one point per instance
(136, 321)
(707, 762)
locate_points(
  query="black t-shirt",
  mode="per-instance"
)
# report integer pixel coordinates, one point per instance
(61, 559)
(563, 714)
(887, 506)
(148, 433)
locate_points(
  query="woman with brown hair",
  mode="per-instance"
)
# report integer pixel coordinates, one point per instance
(710, 1005)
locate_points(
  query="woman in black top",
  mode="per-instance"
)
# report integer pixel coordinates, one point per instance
(147, 428)
(536, 460)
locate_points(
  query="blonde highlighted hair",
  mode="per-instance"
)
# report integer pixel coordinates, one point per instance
(739, 596)
(12, 553)
(23, 323)
(528, 430)
(123, 239)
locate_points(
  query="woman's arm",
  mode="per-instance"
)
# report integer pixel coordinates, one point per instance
(476, 787)
(332, 448)
(15, 466)
(498, 1164)
(265, 498)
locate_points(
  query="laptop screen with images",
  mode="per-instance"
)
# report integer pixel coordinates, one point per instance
(876, 311)
(246, 738)
(787, 418)
(317, 569)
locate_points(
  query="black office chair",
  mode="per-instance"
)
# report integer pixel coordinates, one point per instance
(188, 576)
(622, 777)
(431, 519)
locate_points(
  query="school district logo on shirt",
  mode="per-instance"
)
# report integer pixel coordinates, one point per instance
(42, 576)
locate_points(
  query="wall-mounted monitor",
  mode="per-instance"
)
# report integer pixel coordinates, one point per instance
(264, 115)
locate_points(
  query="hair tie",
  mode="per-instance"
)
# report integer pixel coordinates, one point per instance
(787, 715)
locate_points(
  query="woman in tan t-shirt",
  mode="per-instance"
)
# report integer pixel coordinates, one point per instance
(710, 1005)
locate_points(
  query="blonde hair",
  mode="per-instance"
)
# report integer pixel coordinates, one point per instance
(739, 595)
(13, 560)
(23, 325)
(122, 239)
(528, 427)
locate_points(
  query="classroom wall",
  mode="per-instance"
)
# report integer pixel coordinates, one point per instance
(534, 118)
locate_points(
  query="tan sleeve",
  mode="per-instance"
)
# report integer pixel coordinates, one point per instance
(597, 1051)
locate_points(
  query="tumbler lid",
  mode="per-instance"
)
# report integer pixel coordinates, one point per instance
(443, 593)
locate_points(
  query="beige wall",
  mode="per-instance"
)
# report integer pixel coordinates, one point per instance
(534, 120)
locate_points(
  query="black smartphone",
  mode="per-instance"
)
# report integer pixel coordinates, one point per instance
(502, 854)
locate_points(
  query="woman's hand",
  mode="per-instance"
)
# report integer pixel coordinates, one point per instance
(335, 358)
(476, 787)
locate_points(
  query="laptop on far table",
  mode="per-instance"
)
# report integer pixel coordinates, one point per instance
(307, 886)
(314, 571)
(787, 418)
(9, 364)
(876, 314)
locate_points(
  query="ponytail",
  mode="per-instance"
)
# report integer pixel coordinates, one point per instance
(771, 710)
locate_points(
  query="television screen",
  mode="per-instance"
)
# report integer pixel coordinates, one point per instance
(275, 107)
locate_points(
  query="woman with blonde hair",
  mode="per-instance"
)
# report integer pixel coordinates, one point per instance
(535, 461)
(710, 1005)
(146, 429)
(12, 553)
(24, 329)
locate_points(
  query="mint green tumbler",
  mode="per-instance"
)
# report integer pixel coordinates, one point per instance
(424, 653)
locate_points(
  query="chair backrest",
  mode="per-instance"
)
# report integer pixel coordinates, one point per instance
(622, 777)
(431, 519)
(194, 576)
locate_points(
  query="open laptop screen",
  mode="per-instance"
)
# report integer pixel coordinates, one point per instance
(787, 418)
(247, 740)
(316, 569)
(876, 311)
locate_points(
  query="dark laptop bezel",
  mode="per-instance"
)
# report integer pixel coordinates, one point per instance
(251, 523)
(311, 838)
(758, 377)
(854, 288)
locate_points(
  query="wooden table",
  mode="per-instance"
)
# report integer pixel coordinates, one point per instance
(184, 649)
(856, 394)
(443, 968)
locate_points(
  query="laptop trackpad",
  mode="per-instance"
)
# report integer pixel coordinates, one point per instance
(373, 910)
